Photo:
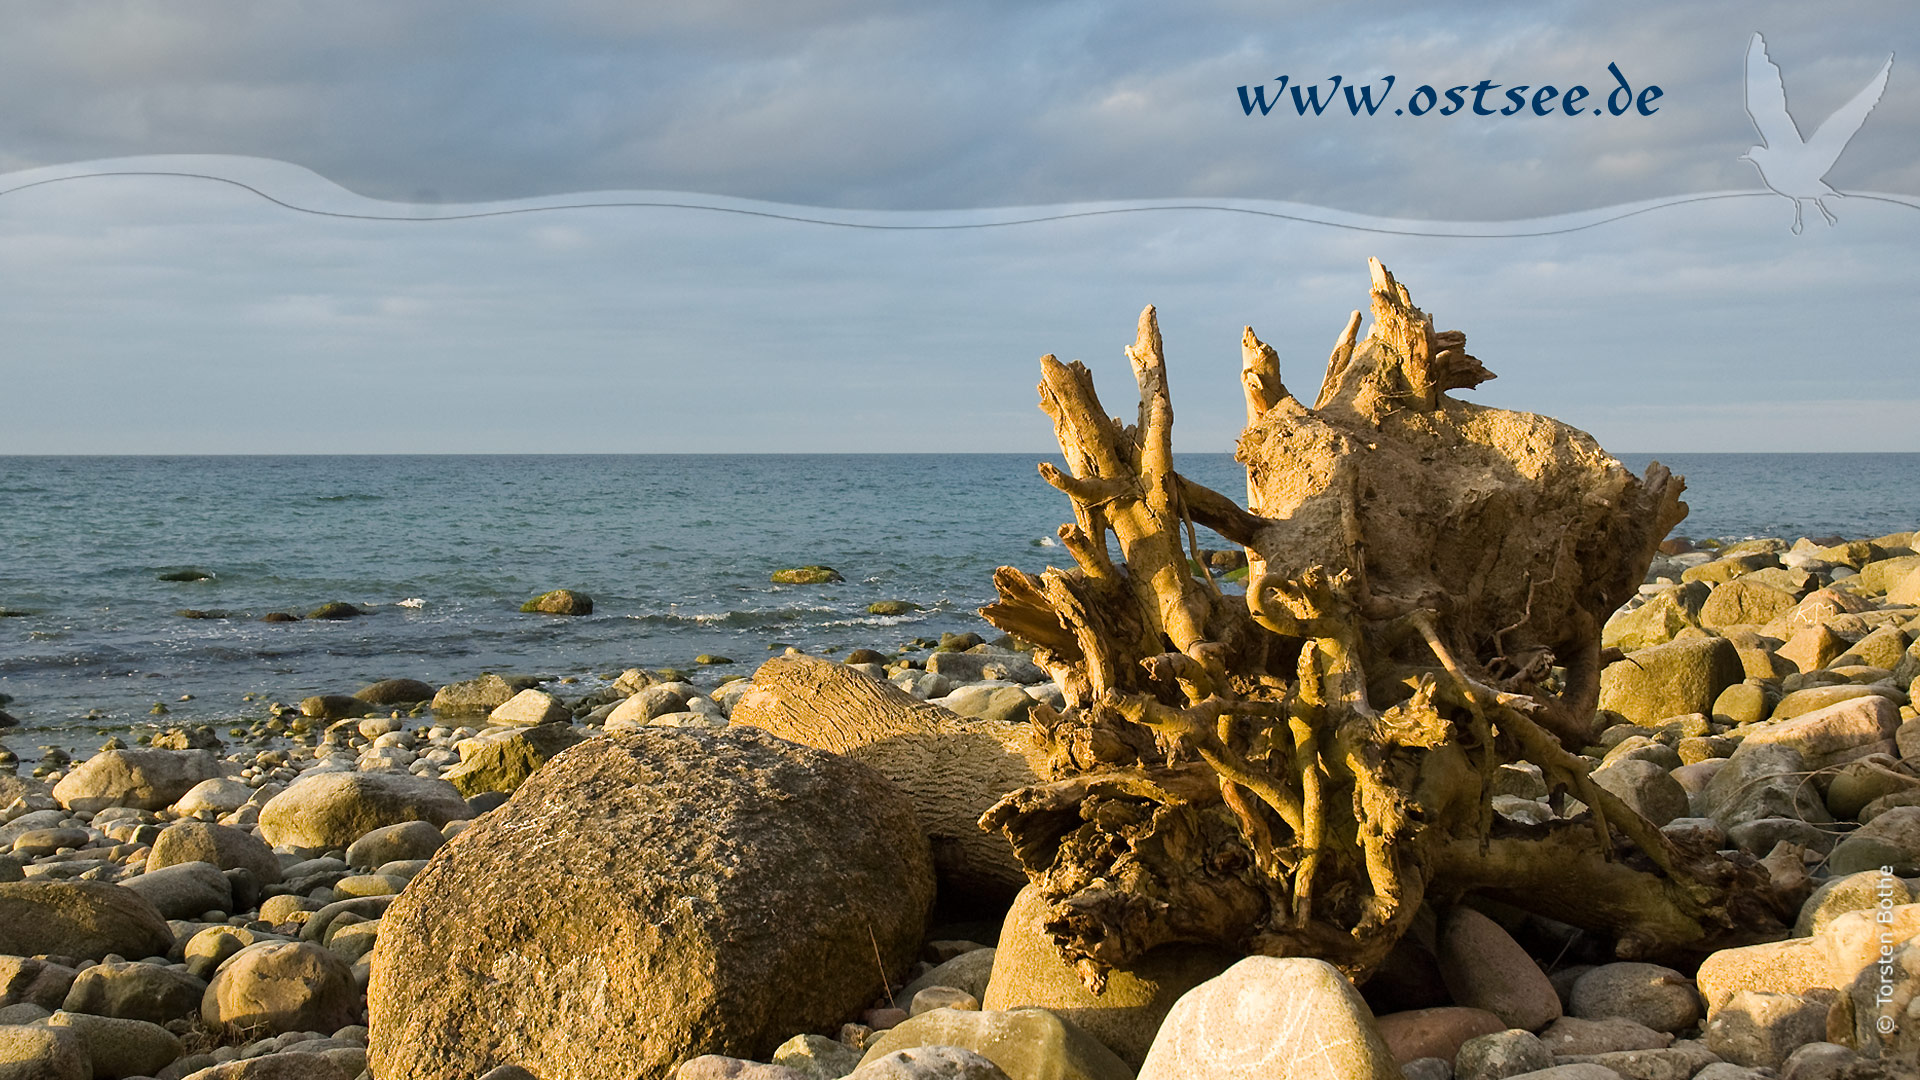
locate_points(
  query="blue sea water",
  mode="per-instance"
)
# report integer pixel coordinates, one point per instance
(676, 552)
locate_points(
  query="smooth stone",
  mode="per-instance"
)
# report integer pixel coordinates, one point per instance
(218, 795)
(1657, 997)
(390, 843)
(530, 707)
(134, 991)
(972, 972)
(816, 1057)
(144, 779)
(222, 846)
(1790, 966)
(26, 980)
(1265, 1014)
(1761, 780)
(332, 810)
(931, 1063)
(709, 1067)
(650, 896)
(1576, 1035)
(1861, 891)
(1500, 1055)
(1858, 783)
(1027, 1044)
(86, 919)
(118, 1048)
(1485, 968)
(1670, 680)
(1677, 1062)
(1755, 1028)
(211, 947)
(477, 696)
(1435, 1033)
(503, 761)
(1028, 972)
(331, 707)
(1892, 839)
(281, 986)
(1832, 734)
(1741, 703)
(36, 1052)
(942, 997)
(395, 692)
(183, 890)
(1646, 787)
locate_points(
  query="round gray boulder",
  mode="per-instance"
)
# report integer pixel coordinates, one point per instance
(652, 897)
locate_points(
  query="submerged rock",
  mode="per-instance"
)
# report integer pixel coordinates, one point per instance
(807, 575)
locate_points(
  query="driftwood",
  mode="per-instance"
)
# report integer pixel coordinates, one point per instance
(951, 767)
(1296, 771)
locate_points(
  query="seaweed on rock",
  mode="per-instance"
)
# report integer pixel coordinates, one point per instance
(1296, 771)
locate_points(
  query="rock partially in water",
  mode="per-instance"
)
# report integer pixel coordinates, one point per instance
(335, 609)
(560, 602)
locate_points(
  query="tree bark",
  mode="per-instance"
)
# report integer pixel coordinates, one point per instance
(1296, 770)
(952, 767)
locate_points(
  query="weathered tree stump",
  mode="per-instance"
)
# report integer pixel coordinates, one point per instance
(1295, 771)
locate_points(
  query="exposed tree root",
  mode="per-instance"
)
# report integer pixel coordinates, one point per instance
(1295, 771)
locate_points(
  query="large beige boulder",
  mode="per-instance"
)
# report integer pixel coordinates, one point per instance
(952, 767)
(1028, 971)
(143, 779)
(221, 845)
(276, 986)
(333, 809)
(1834, 734)
(1745, 602)
(1266, 1017)
(651, 897)
(1670, 680)
(85, 919)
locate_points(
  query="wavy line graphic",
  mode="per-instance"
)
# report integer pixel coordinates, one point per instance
(355, 207)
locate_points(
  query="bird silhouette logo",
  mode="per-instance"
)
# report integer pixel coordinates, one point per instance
(1790, 165)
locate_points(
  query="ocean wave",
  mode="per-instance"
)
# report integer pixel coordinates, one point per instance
(758, 617)
(350, 497)
(411, 602)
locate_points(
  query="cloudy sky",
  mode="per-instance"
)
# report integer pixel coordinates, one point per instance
(165, 314)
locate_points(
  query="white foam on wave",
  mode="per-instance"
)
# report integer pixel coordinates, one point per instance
(412, 602)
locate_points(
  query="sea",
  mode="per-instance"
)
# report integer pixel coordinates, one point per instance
(676, 552)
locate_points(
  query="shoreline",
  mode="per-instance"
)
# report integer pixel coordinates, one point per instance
(297, 836)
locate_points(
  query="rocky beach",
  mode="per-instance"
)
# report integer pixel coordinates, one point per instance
(505, 878)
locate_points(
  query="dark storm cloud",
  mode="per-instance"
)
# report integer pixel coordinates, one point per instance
(914, 106)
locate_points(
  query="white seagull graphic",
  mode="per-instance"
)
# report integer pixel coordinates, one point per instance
(1788, 164)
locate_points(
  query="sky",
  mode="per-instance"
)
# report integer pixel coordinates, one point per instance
(169, 314)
